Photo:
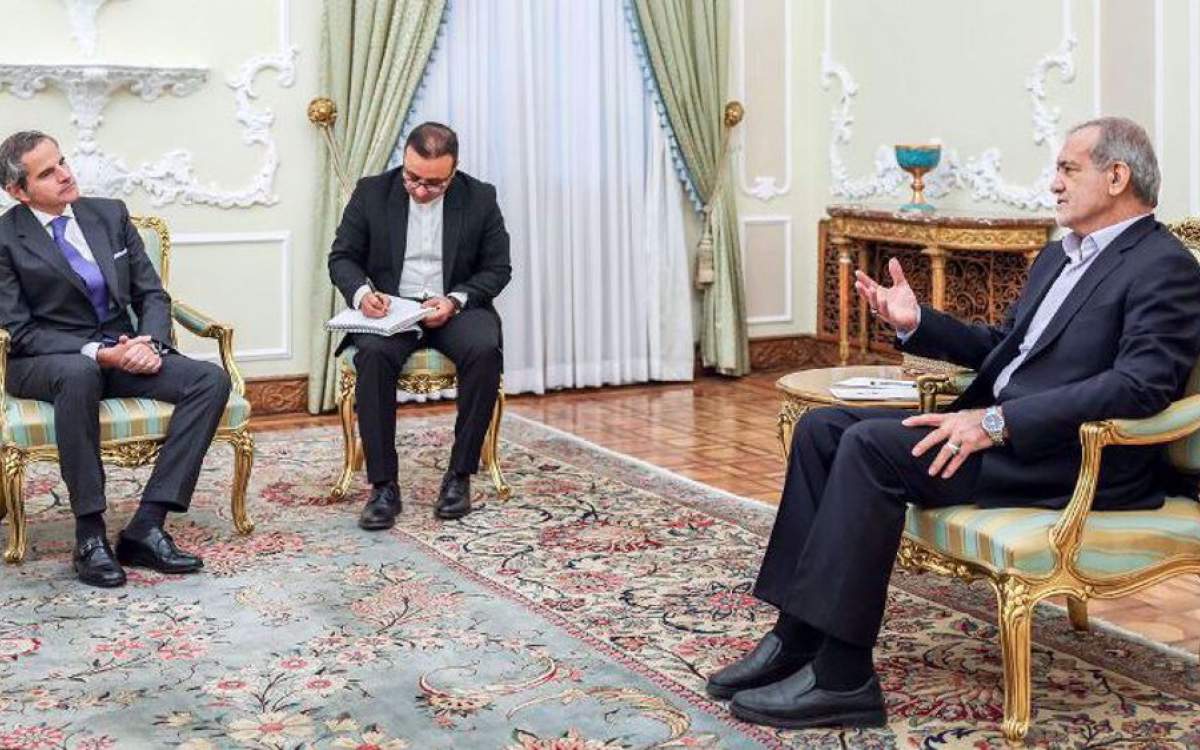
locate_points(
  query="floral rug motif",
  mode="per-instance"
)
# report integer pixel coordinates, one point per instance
(583, 613)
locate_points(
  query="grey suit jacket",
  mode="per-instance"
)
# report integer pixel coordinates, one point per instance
(44, 304)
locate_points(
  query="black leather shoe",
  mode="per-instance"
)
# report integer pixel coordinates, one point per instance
(796, 702)
(454, 501)
(381, 510)
(96, 565)
(766, 663)
(155, 549)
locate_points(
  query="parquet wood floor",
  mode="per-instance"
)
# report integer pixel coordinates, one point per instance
(722, 432)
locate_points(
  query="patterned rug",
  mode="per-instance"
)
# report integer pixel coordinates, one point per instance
(581, 614)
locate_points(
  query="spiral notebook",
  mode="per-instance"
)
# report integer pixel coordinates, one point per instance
(403, 315)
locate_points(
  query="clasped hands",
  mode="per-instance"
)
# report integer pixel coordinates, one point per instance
(133, 355)
(375, 305)
(959, 433)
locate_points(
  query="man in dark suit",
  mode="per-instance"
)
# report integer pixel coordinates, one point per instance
(1107, 326)
(71, 270)
(428, 232)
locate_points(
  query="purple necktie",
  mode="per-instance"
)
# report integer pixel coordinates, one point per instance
(97, 292)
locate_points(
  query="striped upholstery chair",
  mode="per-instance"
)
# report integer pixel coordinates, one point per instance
(426, 371)
(1028, 554)
(131, 429)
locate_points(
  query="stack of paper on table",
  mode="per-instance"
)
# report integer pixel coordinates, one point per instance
(874, 389)
(403, 315)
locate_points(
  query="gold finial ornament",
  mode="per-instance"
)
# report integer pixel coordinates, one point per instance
(734, 112)
(322, 112)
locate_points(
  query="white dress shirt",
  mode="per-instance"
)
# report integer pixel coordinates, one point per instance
(74, 235)
(1081, 254)
(421, 277)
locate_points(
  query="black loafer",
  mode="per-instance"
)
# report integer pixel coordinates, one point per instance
(381, 510)
(766, 663)
(96, 565)
(796, 702)
(155, 549)
(454, 500)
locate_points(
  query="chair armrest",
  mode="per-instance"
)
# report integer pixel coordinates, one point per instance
(1180, 419)
(202, 325)
(932, 385)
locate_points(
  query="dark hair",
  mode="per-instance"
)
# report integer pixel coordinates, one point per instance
(13, 150)
(431, 140)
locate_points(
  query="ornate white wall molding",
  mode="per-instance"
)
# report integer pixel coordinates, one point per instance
(787, 315)
(980, 174)
(171, 178)
(765, 187)
(283, 240)
(82, 16)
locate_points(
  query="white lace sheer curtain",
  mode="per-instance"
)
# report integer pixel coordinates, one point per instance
(550, 106)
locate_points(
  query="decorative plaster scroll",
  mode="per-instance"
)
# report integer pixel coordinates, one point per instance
(171, 178)
(765, 187)
(979, 174)
(82, 16)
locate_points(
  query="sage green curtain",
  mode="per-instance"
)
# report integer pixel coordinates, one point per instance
(687, 42)
(373, 54)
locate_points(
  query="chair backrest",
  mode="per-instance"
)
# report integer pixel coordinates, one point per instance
(1184, 453)
(157, 239)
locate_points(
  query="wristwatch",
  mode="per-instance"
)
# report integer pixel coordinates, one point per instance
(458, 305)
(993, 424)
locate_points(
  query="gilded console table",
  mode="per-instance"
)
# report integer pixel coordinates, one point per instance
(943, 239)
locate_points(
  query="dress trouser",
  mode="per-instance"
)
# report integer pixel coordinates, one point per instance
(75, 384)
(471, 339)
(850, 475)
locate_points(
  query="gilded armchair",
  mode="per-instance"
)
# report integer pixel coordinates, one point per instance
(131, 429)
(427, 371)
(1028, 554)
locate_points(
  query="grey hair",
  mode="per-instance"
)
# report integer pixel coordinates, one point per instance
(12, 152)
(1123, 140)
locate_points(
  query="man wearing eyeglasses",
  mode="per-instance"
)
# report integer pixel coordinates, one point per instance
(427, 232)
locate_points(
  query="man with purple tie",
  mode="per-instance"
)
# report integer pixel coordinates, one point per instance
(72, 270)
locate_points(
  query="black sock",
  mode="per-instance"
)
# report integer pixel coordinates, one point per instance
(797, 635)
(148, 516)
(88, 526)
(843, 666)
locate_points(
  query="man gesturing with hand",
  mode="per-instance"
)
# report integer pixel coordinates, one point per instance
(1107, 326)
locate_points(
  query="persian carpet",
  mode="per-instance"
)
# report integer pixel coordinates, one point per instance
(581, 614)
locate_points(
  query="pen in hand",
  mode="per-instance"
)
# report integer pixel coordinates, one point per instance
(374, 304)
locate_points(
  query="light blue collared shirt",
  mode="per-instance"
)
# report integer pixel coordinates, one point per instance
(1081, 253)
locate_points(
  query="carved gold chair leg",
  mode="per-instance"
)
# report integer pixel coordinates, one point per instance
(12, 464)
(351, 453)
(1015, 609)
(243, 462)
(1077, 610)
(491, 449)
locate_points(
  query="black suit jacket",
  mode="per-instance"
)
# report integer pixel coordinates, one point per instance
(1121, 346)
(44, 304)
(373, 233)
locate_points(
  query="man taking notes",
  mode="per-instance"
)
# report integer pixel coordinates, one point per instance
(427, 232)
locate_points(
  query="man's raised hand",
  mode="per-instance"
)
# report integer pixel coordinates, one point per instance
(895, 305)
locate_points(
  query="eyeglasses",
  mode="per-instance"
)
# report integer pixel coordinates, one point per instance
(413, 181)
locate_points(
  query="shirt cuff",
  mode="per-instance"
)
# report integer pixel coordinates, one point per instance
(904, 336)
(363, 291)
(461, 297)
(89, 350)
